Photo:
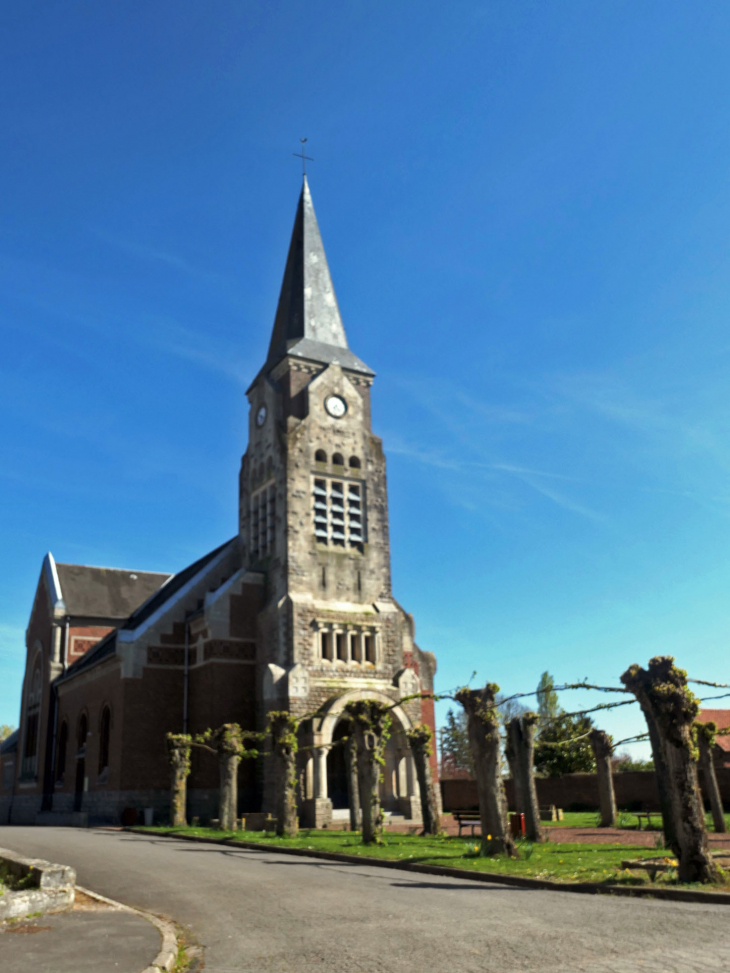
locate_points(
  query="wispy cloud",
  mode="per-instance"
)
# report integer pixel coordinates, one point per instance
(152, 254)
(473, 434)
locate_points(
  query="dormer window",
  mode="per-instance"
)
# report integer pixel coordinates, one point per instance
(339, 513)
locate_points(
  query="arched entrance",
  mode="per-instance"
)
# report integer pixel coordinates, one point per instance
(325, 769)
(337, 769)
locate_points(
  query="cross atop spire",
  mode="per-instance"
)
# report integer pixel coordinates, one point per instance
(308, 323)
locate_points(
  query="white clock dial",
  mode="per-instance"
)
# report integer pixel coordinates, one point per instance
(261, 416)
(336, 406)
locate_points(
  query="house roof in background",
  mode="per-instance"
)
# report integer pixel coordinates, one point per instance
(10, 743)
(106, 592)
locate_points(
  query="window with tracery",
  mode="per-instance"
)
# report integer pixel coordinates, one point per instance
(263, 518)
(339, 512)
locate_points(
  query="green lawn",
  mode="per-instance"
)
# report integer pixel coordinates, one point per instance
(626, 819)
(562, 863)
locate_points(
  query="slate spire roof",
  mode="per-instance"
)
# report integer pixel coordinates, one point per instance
(308, 322)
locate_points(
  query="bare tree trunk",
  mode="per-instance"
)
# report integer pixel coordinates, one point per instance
(420, 740)
(353, 788)
(484, 743)
(521, 736)
(705, 734)
(662, 690)
(178, 747)
(603, 751)
(283, 728)
(514, 774)
(370, 720)
(661, 772)
(228, 798)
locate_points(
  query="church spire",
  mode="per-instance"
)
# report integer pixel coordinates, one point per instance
(308, 322)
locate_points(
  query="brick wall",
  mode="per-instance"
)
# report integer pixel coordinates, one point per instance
(632, 788)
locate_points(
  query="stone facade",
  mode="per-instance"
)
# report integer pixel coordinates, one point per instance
(295, 612)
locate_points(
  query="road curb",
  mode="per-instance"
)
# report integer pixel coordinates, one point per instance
(517, 881)
(167, 955)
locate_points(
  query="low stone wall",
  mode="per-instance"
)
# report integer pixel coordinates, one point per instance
(635, 789)
(48, 887)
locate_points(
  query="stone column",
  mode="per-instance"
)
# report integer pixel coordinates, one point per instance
(316, 810)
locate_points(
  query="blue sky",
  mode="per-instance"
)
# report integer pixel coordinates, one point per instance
(526, 210)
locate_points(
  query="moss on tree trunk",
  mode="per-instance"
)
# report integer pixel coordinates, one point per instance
(178, 748)
(420, 740)
(705, 736)
(521, 737)
(283, 728)
(370, 720)
(484, 742)
(603, 751)
(353, 786)
(662, 691)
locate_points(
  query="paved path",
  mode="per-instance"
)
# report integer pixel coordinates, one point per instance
(81, 941)
(272, 913)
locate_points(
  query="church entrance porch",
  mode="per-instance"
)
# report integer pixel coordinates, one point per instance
(323, 774)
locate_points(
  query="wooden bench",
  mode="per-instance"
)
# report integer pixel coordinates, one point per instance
(640, 815)
(466, 818)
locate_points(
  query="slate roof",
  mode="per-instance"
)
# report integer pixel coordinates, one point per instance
(107, 646)
(106, 592)
(721, 717)
(308, 322)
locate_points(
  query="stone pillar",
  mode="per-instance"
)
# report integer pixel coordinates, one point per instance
(316, 812)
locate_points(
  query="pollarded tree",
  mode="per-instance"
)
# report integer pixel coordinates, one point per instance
(178, 748)
(662, 691)
(370, 720)
(705, 734)
(419, 739)
(521, 747)
(227, 742)
(484, 740)
(283, 729)
(353, 787)
(603, 751)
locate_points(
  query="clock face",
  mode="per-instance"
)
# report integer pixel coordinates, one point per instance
(261, 416)
(336, 406)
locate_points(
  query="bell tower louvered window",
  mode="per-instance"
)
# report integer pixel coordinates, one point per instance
(339, 514)
(263, 519)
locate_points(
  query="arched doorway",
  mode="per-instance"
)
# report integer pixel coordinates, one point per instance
(337, 768)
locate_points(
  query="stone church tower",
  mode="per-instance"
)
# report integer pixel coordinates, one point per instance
(294, 612)
(314, 520)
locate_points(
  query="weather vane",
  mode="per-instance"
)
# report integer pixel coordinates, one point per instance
(303, 157)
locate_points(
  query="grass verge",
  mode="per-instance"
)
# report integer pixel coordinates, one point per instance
(569, 863)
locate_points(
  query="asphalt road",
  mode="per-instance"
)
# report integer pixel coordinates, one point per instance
(272, 913)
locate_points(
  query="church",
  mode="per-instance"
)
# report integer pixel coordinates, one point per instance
(294, 612)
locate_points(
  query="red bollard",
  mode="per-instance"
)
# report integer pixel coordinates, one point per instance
(517, 825)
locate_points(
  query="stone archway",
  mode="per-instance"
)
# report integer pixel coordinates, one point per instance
(399, 788)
